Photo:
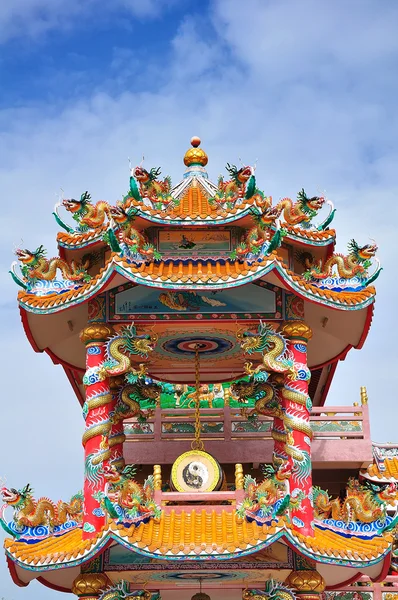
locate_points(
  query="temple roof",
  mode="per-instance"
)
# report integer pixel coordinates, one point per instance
(385, 464)
(201, 534)
(198, 274)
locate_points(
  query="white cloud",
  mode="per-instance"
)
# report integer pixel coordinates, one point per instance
(33, 18)
(308, 88)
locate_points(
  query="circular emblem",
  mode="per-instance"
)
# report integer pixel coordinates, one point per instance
(196, 471)
(206, 345)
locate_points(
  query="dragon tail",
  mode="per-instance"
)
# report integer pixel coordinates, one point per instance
(251, 187)
(327, 221)
(17, 279)
(62, 224)
(111, 239)
(276, 240)
(134, 191)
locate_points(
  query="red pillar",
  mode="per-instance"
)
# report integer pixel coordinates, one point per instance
(297, 405)
(97, 408)
(116, 436)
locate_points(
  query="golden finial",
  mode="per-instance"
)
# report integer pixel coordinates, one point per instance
(195, 155)
(239, 479)
(364, 395)
(157, 477)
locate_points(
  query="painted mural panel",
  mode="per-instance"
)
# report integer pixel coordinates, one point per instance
(186, 242)
(252, 301)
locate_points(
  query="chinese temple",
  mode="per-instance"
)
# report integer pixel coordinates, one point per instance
(200, 326)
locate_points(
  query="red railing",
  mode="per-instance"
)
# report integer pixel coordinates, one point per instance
(222, 428)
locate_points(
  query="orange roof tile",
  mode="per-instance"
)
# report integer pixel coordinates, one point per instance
(390, 469)
(195, 533)
(194, 272)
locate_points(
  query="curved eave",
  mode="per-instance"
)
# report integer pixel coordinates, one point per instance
(200, 278)
(71, 551)
(305, 237)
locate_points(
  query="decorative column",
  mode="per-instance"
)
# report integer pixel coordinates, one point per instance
(308, 585)
(297, 405)
(96, 411)
(116, 436)
(89, 585)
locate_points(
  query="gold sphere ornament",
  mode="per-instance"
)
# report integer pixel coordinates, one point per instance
(306, 581)
(96, 332)
(195, 155)
(87, 584)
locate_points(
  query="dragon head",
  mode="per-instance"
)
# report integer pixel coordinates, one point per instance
(390, 493)
(120, 215)
(268, 217)
(137, 344)
(256, 342)
(241, 175)
(30, 258)
(144, 176)
(242, 389)
(310, 204)
(120, 591)
(151, 390)
(14, 497)
(111, 474)
(280, 473)
(74, 206)
(362, 253)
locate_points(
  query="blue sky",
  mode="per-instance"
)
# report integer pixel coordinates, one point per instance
(308, 89)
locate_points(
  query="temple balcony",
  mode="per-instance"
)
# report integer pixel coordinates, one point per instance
(341, 437)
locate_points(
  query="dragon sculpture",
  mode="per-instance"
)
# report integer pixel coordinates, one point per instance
(132, 395)
(137, 245)
(121, 590)
(87, 215)
(125, 499)
(36, 267)
(264, 393)
(242, 184)
(121, 346)
(150, 186)
(276, 360)
(268, 499)
(29, 512)
(260, 240)
(274, 590)
(363, 503)
(276, 357)
(356, 264)
(303, 211)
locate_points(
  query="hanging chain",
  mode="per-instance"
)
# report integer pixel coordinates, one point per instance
(197, 443)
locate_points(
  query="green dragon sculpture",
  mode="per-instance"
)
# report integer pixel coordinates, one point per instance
(131, 397)
(121, 590)
(268, 499)
(87, 215)
(36, 267)
(365, 503)
(125, 499)
(128, 235)
(275, 355)
(355, 264)
(150, 186)
(124, 344)
(304, 210)
(29, 512)
(242, 184)
(274, 590)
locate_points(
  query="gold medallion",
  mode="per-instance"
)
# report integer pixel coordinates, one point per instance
(196, 471)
